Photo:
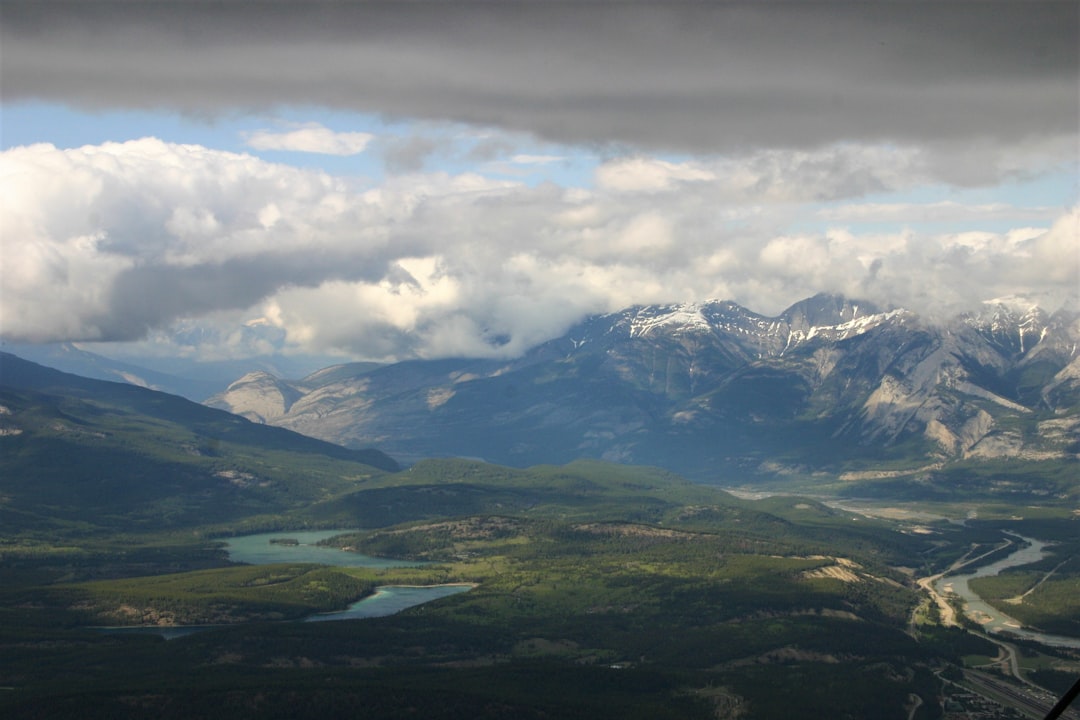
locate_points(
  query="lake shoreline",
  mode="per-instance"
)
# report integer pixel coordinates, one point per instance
(196, 626)
(260, 549)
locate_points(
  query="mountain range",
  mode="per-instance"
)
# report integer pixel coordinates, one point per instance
(193, 378)
(716, 391)
(78, 453)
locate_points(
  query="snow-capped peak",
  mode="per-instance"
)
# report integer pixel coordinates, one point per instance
(687, 316)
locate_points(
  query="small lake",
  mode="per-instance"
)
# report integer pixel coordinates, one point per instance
(389, 600)
(990, 618)
(258, 550)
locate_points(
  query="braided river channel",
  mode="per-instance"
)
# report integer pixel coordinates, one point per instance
(993, 620)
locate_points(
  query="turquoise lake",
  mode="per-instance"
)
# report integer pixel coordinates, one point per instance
(390, 599)
(258, 550)
(387, 600)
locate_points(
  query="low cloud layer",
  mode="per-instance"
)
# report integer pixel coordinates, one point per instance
(111, 242)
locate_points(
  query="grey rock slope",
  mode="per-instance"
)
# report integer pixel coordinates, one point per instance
(829, 384)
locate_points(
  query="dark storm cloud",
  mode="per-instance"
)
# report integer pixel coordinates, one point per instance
(700, 77)
(149, 296)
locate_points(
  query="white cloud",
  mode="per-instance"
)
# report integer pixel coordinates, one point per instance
(1054, 256)
(106, 242)
(114, 241)
(828, 173)
(646, 234)
(640, 174)
(310, 138)
(832, 172)
(942, 211)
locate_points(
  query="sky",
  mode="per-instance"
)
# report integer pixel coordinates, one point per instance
(384, 181)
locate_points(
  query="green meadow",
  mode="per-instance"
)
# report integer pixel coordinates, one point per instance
(598, 590)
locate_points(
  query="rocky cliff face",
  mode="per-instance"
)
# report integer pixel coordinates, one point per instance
(262, 397)
(828, 384)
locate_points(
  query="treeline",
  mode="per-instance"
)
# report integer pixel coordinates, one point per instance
(212, 596)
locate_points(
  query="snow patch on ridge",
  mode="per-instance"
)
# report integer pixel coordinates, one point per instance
(851, 328)
(702, 318)
(688, 317)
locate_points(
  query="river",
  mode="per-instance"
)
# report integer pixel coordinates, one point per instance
(990, 618)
